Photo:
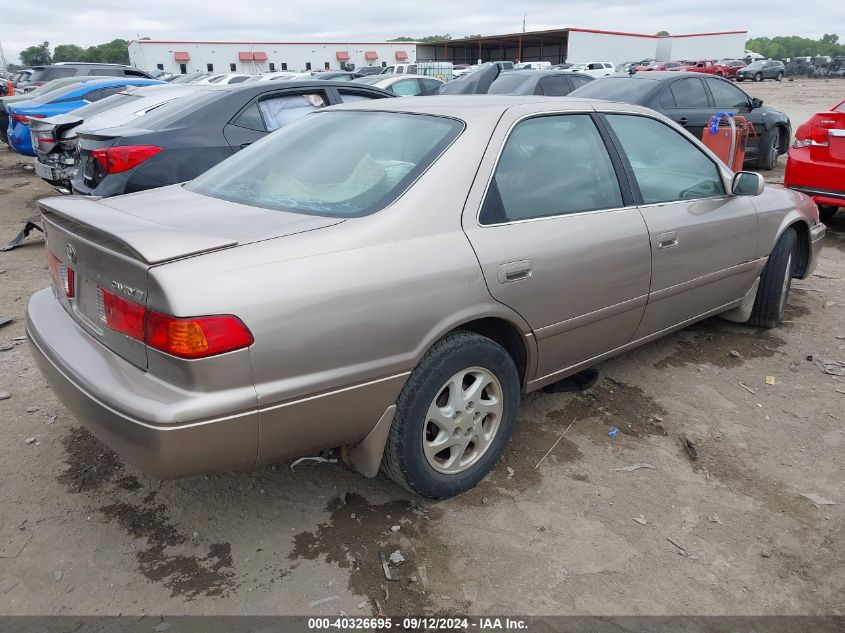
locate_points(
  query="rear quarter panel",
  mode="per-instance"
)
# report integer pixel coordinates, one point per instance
(352, 304)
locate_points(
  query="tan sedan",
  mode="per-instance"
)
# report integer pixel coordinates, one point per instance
(390, 276)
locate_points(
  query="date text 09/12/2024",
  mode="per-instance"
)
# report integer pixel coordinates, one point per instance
(419, 623)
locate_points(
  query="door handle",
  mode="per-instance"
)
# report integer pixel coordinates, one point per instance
(667, 240)
(514, 271)
(682, 120)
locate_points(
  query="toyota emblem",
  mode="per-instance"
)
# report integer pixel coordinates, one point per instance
(71, 254)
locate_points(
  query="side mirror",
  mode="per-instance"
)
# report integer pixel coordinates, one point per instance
(747, 183)
(756, 103)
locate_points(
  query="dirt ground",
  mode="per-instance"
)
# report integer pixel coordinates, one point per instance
(585, 533)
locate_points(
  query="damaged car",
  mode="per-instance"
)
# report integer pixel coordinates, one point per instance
(389, 277)
(54, 138)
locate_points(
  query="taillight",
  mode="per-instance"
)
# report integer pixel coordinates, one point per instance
(194, 337)
(62, 274)
(114, 160)
(24, 118)
(811, 136)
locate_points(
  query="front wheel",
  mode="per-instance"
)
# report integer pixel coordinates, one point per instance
(769, 149)
(758, 77)
(453, 417)
(775, 282)
(740, 79)
(779, 77)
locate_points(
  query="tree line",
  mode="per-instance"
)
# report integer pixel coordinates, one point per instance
(790, 46)
(114, 52)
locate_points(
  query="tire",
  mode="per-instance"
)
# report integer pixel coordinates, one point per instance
(775, 282)
(758, 77)
(826, 212)
(408, 457)
(769, 149)
(739, 80)
(779, 77)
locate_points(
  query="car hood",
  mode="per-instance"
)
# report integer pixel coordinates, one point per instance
(172, 222)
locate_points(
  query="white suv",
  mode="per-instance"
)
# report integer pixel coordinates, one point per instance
(593, 69)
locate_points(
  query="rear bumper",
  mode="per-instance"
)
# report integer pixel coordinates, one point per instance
(821, 180)
(99, 388)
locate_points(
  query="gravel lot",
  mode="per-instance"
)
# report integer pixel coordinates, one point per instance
(731, 533)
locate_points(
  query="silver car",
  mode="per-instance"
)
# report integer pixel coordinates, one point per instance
(390, 276)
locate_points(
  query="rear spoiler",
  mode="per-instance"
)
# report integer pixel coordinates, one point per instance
(129, 235)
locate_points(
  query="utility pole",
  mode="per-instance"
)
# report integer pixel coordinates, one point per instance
(519, 57)
(2, 57)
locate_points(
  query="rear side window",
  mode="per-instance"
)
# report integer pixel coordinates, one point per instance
(689, 93)
(551, 165)
(102, 93)
(406, 88)
(554, 86)
(337, 164)
(667, 165)
(111, 72)
(57, 72)
(275, 112)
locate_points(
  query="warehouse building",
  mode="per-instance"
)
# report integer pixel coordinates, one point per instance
(262, 57)
(576, 45)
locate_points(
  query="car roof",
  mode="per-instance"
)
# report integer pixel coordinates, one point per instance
(264, 86)
(469, 107)
(662, 75)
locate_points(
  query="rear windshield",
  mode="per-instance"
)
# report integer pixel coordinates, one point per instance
(506, 83)
(55, 95)
(625, 89)
(840, 107)
(55, 72)
(341, 164)
(104, 104)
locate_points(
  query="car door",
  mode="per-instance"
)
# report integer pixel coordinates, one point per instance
(703, 241)
(269, 112)
(558, 238)
(686, 102)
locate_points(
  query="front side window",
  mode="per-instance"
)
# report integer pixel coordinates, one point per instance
(689, 93)
(336, 164)
(551, 165)
(727, 95)
(554, 86)
(667, 165)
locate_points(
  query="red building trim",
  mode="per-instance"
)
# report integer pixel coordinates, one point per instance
(245, 56)
(181, 56)
(371, 55)
(342, 56)
(259, 56)
(401, 56)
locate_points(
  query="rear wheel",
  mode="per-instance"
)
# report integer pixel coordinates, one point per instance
(779, 77)
(775, 282)
(769, 149)
(740, 79)
(453, 417)
(758, 77)
(826, 212)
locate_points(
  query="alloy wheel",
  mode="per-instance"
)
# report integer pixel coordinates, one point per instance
(462, 420)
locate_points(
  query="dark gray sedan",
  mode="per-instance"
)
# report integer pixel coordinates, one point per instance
(183, 138)
(552, 83)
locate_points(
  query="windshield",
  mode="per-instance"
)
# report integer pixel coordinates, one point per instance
(342, 164)
(507, 83)
(625, 89)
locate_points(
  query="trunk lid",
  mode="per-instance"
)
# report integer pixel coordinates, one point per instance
(46, 133)
(111, 244)
(834, 123)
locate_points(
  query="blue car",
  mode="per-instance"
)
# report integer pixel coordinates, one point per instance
(61, 101)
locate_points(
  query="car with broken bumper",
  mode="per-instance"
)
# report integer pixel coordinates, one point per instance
(390, 277)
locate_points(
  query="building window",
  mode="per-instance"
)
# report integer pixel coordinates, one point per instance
(272, 66)
(233, 67)
(183, 68)
(284, 65)
(307, 65)
(384, 64)
(326, 65)
(160, 66)
(209, 67)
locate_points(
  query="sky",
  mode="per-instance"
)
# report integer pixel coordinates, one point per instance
(98, 21)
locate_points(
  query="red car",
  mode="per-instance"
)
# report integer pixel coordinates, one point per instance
(658, 66)
(816, 164)
(728, 68)
(706, 66)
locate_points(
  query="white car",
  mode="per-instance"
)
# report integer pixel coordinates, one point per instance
(532, 66)
(403, 85)
(593, 69)
(224, 78)
(275, 75)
